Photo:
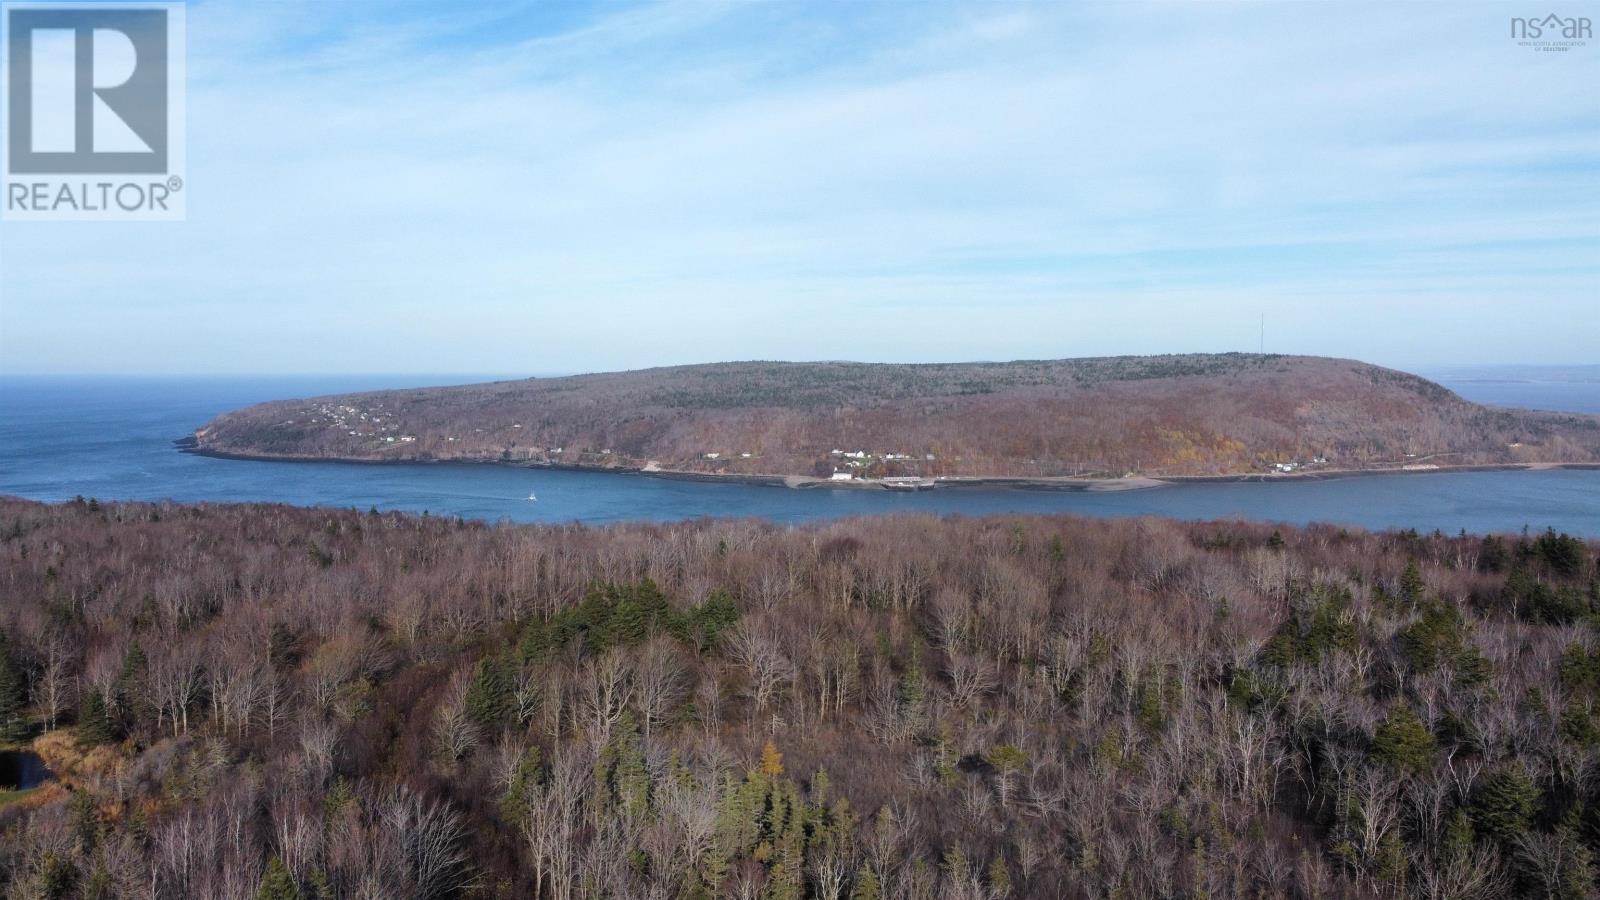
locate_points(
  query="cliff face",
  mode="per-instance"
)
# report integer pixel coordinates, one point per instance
(1162, 415)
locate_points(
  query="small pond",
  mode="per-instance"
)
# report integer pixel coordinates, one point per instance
(21, 770)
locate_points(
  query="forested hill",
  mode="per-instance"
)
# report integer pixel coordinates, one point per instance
(267, 702)
(1158, 415)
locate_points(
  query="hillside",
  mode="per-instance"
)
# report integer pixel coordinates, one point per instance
(1160, 415)
(264, 702)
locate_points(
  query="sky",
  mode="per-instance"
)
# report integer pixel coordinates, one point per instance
(544, 187)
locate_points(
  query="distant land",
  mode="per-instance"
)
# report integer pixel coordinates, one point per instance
(1123, 418)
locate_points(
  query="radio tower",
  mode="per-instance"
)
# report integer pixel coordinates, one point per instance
(1263, 348)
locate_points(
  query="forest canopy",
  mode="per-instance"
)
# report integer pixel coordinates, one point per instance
(250, 701)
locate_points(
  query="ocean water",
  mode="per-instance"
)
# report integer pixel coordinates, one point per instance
(1561, 396)
(62, 437)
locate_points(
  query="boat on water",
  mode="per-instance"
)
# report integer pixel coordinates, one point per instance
(531, 497)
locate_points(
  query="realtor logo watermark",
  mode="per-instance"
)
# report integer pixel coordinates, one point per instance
(93, 100)
(1553, 33)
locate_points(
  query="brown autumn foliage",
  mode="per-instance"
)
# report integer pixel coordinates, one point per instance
(1159, 415)
(320, 703)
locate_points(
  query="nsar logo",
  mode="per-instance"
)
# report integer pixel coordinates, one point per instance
(1552, 33)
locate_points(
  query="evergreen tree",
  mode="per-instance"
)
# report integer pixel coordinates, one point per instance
(339, 800)
(999, 876)
(1007, 760)
(621, 773)
(1563, 553)
(94, 721)
(13, 695)
(322, 886)
(1492, 555)
(1411, 584)
(705, 624)
(1502, 805)
(1402, 742)
(84, 816)
(130, 681)
(1456, 841)
(57, 876)
(956, 867)
(788, 822)
(866, 887)
(535, 640)
(278, 883)
(525, 781)
(489, 696)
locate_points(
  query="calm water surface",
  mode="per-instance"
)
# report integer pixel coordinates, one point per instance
(112, 439)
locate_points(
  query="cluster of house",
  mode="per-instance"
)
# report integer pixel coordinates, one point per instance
(357, 422)
(375, 423)
(861, 456)
(858, 459)
(1298, 464)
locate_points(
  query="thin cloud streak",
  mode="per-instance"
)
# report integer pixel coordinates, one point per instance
(985, 182)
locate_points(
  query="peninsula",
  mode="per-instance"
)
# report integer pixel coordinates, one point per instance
(1188, 416)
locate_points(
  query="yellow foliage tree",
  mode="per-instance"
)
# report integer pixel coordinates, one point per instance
(771, 760)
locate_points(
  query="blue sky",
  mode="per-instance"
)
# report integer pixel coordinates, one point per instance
(405, 187)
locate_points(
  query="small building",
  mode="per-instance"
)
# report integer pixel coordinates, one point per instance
(842, 476)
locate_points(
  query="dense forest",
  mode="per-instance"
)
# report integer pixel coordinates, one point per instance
(1195, 414)
(267, 702)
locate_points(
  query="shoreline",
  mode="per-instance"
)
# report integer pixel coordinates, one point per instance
(1062, 483)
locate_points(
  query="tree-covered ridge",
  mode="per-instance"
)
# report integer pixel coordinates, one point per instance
(1193, 414)
(261, 701)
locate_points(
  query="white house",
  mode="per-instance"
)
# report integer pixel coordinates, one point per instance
(841, 476)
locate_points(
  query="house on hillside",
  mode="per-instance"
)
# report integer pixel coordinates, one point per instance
(842, 476)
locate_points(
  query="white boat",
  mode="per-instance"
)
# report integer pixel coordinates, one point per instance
(531, 496)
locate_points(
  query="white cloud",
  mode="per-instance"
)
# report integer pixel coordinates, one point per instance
(688, 182)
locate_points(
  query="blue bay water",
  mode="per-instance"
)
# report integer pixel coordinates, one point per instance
(62, 437)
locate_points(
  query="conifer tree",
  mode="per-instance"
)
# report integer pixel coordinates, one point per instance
(278, 883)
(1411, 584)
(94, 722)
(866, 886)
(13, 695)
(771, 760)
(525, 782)
(130, 680)
(489, 696)
(999, 877)
(1402, 742)
(1007, 760)
(621, 774)
(1503, 802)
